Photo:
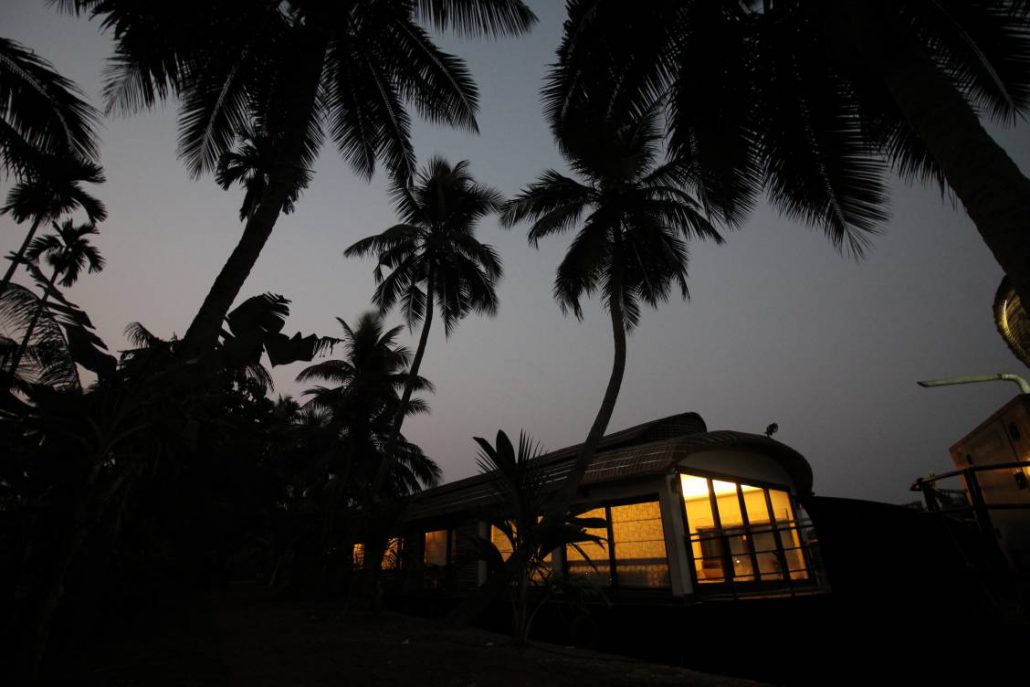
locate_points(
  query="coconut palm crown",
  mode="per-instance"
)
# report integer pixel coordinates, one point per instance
(433, 256)
(631, 244)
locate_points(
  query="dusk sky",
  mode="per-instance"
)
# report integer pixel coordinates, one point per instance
(779, 328)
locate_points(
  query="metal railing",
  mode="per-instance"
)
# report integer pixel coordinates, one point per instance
(945, 501)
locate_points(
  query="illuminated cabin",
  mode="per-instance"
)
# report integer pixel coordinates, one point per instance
(690, 514)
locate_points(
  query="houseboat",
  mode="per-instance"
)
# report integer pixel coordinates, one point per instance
(690, 515)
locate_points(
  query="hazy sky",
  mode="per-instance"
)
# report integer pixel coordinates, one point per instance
(779, 327)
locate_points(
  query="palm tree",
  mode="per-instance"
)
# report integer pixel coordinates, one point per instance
(521, 483)
(631, 245)
(53, 191)
(814, 102)
(357, 412)
(433, 257)
(360, 404)
(300, 66)
(67, 251)
(42, 114)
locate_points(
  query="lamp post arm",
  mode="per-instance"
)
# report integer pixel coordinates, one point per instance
(1024, 386)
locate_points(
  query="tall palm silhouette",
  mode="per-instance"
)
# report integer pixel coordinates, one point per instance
(813, 102)
(433, 258)
(67, 251)
(53, 191)
(306, 69)
(630, 246)
(358, 407)
(42, 114)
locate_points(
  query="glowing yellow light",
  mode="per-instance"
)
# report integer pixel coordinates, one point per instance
(436, 548)
(697, 487)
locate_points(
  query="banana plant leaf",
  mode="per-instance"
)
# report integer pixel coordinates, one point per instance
(256, 325)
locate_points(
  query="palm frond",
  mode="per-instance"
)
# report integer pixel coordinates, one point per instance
(712, 112)
(477, 17)
(54, 190)
(41, 108)
(438, 84)
(981, 47)
(554, 201)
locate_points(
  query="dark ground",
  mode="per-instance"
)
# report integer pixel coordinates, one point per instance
(248, 638)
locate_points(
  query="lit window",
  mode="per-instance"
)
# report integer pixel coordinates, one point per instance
(436, 548)
(741, 532)
(638, 545)
(635, 556)
(787, 527)
(501, 542)
(391, 556)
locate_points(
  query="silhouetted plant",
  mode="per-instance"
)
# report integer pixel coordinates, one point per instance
(362, 402)
(67, 251)
(164, 476)
(297, 65)
(520, 483)
(54, 191)
(814, 102)
(46, 359)
(631, 245)
(42, 115)
(357, 413)
(434, 259)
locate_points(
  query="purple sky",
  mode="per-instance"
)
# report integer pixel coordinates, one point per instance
(779, 328)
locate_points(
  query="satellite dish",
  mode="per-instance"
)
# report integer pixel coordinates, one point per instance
(1012, 321)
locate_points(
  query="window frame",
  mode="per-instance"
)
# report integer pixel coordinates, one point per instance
(450, 542)
(775, 526)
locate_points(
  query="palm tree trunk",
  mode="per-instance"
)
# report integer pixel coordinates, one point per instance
(20, 352)
(994, 192)
(203, 332)
(560, 502)
(16, 260)
(402, 409)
